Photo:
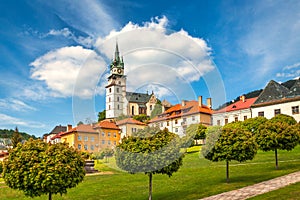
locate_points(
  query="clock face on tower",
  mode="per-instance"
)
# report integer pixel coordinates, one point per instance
(119, 71)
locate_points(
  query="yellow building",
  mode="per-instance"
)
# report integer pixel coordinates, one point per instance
(129, 126)
(92, 137)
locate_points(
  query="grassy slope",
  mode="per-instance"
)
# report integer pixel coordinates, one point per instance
(197, 178)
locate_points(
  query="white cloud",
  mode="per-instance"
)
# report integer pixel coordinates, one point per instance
(13, 121)
(15, 105)
(154, 54)
(65, 32)
(69, 70)
(290, 71)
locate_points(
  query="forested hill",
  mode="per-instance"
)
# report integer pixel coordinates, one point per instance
(5, 133)
(288, 84)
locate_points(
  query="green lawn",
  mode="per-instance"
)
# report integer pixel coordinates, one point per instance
(197, 178)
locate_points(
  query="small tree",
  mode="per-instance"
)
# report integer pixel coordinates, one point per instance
(141, 118)
(200, 134)
(156, 110)
(234, 143)
(152, 152)
(16, 138)
(252, 124)
(280, 132)
(101, 115)
(40, 168)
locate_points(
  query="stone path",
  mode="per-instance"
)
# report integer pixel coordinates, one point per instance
(259, 188)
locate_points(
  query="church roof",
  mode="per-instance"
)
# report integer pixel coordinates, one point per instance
(138, 97)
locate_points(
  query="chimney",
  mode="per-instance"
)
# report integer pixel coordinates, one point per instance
(183, 103)
(208, 102)
(200, 101)
(243, 98)
(69, 127)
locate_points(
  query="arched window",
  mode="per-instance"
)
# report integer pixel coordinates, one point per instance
(132, 110)
(109, 90)
(118, 99)
(118, 107)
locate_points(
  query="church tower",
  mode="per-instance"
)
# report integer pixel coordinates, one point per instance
(116, 88)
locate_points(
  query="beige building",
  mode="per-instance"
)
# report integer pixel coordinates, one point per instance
(129, 126)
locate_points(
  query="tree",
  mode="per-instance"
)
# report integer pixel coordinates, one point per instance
(156, 110)
(234, 143)
(280, 132)
(40, 168)
(200, 133)
(16, 138)
(141, 117)
(252, 124)
(150, 151)
(101, 115)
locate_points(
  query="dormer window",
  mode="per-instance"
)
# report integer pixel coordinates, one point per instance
(234, 106)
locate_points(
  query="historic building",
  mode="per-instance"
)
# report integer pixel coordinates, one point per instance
(129, 126)
(118, 100)
(277, 99)
(177, 118)
(237, 111)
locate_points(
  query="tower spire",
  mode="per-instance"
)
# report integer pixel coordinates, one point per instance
(117, 53)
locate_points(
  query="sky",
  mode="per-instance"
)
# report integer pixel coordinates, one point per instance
(55, 55)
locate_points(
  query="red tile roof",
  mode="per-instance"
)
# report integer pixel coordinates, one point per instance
(239, 105)
(87, 128)
(107, 125)
(176, 111)
(130, 121)
(58, 135)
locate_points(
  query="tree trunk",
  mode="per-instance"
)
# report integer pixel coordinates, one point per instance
(276, 158)
(150, 186)
(50, 196)
(227, 171)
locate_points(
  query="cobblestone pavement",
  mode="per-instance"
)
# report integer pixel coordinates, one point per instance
(259, 188)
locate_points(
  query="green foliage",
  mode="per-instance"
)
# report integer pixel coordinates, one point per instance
(122, 116)
(252, 124)
(1, 167)
(280, 132)
(141, 118)
(101, 115)
(156, 110)
(16, 138)
(150, 153)
(200, 133)
(5, 133)
(39, 168)
(212, 135)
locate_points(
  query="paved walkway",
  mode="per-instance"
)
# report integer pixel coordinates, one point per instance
(259, 188)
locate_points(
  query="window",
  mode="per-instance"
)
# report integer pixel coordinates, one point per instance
(86, 138)
(132, 110)
(109, 107)
(79, 146)
(133, 130)
(193, 118)
(108, 134)
(109, 90)
(118, 107)
(161, 124)
(92, 138)
(115, 143)
(118, 98)
(86, 147)
(92, 147)
(103, 134)
(218, 122)
(109, 99)
(176, 121)
(261, 114)
(103, 141)
(245, 117)
(176, 130)
(184, 119)
(117, 89)
(119, 82)
(226, 121)
(115, 135)
(295, 110)
(79, 137)
(236, 119)
(167, 123)
(108, 142)
(150, 107)
(276, 111)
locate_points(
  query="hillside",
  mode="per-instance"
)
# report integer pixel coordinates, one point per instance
(5, 133)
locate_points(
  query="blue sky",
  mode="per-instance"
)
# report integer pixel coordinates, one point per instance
(54, 54)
